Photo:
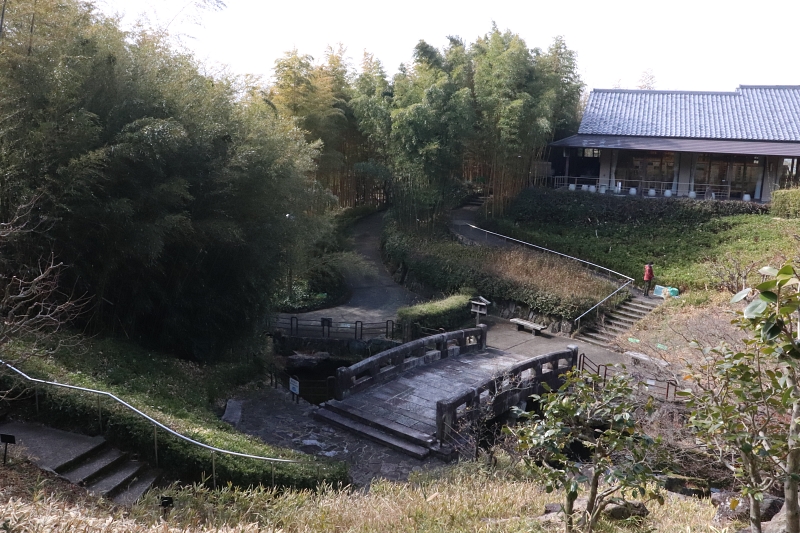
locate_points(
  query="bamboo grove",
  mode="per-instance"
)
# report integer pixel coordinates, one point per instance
(480, 113)
(177, 201)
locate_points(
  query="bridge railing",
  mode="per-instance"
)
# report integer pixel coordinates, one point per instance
(504, 391)
(327, 328)
(386, 365)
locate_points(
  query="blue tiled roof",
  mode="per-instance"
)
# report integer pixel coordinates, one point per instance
(750, 113)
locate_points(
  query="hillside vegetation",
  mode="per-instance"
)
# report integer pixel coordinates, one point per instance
(693, 243)
(466, 497)
(183, 395)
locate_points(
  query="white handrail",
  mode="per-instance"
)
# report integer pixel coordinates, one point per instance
(156, 422)
(507, 238)
(598, 304)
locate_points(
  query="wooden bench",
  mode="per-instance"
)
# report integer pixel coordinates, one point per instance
(524, 324)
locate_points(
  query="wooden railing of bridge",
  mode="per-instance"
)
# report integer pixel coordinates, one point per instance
(386, 365)
(500, 393)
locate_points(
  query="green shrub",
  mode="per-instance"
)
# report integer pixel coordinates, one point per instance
(560, 207)
(546, 284)
(449, 313)
(786, 203)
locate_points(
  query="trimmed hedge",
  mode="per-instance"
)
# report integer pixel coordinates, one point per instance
(786, 203)
(561, 207)
(449, 313)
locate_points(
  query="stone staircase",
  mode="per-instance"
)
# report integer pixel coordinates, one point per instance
(417, 444)
(618, 321)
(85, 461)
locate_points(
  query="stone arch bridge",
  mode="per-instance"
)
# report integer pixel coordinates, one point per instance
(415, 397)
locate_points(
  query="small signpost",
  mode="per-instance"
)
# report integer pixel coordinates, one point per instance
(7, 439)
(294, 388)
(479, 307)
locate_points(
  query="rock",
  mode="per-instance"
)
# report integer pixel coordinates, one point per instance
(617, 510)
(552, 508)
(732, 507)
(776, 525)
(688, 486)
(623, 510)
(233, 412)
(304, 361)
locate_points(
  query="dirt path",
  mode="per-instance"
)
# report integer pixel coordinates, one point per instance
(375, 297)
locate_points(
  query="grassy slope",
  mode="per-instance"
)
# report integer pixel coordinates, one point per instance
(681, 238)
(182, 395)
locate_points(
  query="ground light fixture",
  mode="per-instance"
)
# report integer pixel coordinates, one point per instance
(6, 440)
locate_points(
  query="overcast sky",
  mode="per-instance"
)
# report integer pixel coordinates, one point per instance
(688, 45)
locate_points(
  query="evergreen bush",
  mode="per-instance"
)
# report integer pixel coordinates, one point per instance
(786, 203)
(449, 313)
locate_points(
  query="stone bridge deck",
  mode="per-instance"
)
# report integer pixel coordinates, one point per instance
(406, 411)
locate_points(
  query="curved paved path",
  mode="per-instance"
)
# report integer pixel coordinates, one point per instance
(375, 297)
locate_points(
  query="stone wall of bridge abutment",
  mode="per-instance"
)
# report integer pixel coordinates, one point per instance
(387, 365)
(502, 392)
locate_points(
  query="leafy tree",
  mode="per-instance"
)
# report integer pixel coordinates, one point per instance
(599, 417)
(746, 404)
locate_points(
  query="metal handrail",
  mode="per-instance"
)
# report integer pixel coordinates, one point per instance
(507, 238)
(155, 422)
(598, 304)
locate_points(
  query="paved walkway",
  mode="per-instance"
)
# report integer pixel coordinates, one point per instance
(375, 297)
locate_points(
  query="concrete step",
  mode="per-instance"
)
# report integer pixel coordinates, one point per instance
(598, 335)
(636, 306)
(97, 464)
(614, 325)
(651, 302)
(116, 479)
(391, 441)
(628, 313)
(613, 317)
(619, 324)
(387, 426)
(52, 449)
(591, 340)
(137, 487)
(611, 329)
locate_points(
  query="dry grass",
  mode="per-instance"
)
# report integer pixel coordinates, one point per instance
(550, 274)
(666, 333)
(465, 497)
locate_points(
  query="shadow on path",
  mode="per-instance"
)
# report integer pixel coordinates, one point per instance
(375, 297)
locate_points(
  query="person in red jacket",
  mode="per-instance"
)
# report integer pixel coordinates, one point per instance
(648, 279)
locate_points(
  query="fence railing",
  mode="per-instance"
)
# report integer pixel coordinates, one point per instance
(643, 187)
(610, 274)
(386, 365)
(661, 389)
(158, 425)
(503, 391)
(327, 328)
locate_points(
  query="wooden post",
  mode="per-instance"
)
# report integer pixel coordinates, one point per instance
(214, 468)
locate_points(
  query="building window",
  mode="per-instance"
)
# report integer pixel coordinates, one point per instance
(591, 152)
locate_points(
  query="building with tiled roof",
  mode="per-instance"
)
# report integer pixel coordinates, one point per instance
(741, 144)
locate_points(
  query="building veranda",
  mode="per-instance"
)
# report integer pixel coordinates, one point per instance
(723, 145)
